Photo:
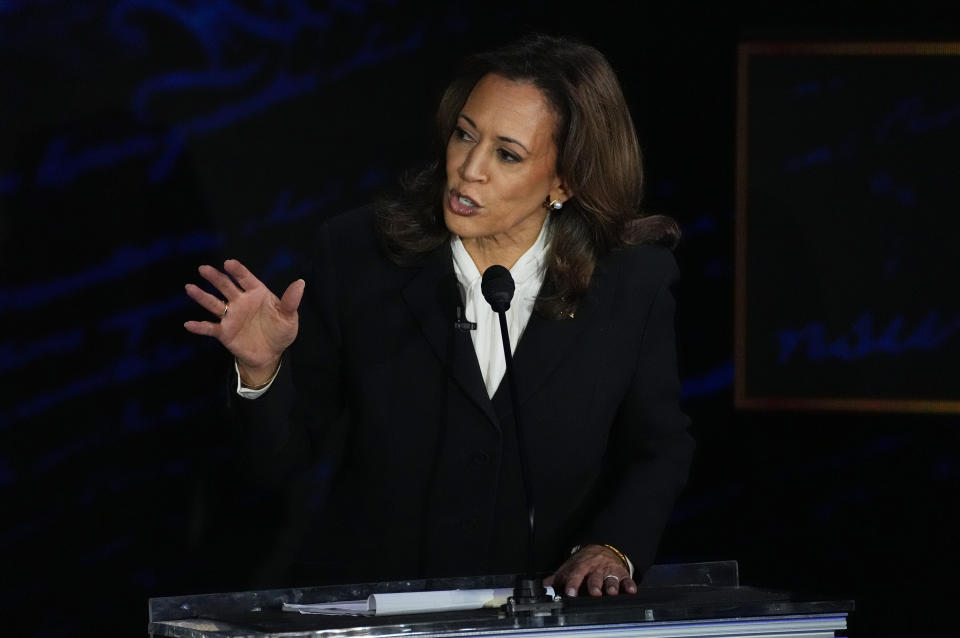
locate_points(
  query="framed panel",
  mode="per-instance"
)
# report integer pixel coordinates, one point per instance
(848, 227)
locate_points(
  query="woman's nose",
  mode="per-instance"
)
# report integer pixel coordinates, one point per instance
(473, 168)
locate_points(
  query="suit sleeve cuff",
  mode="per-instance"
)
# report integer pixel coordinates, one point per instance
(250, 393)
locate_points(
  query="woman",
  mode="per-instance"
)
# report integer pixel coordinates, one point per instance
(380, 374)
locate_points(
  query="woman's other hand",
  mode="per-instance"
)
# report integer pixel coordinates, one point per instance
(596, 566)
(254, 325)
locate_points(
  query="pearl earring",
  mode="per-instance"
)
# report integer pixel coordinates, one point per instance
(552, 205)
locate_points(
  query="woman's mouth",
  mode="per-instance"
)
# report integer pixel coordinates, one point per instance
(462, 205)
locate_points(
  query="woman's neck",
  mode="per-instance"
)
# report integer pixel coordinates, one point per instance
(504, 249)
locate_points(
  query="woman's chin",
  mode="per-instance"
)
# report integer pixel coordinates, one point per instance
(464, 226)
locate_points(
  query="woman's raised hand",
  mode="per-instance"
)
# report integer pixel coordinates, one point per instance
(254, 325)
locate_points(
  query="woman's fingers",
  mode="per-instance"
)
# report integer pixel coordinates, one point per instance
(254, 325)
(220, 281)
(573, 578)
(612, 583)
(596, 568)
(241, 274)
(576, 579)
(595, 583)
(205, 328)
(209, 302)
(606, 579)
(292, 296)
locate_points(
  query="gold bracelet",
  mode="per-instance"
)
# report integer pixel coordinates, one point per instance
(620, 555)
(247, 386)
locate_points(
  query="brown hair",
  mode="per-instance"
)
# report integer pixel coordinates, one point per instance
(597, 156)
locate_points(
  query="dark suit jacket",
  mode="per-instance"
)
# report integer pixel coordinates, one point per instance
(381, 390)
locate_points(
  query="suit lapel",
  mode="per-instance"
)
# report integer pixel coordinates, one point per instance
(544, 345)
(432, 296)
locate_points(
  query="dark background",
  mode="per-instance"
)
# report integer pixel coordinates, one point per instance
(851, 171)
(141, 138)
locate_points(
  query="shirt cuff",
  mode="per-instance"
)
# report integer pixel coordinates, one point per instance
(250, 393)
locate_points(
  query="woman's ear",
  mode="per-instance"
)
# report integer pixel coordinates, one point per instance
(565, 191)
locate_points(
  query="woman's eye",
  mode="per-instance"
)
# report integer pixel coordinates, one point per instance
(507, 156)
(461, 134)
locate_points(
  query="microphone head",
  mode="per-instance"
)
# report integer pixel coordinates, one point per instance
(497, 287)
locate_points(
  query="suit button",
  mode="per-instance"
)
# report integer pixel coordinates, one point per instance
(480, 458)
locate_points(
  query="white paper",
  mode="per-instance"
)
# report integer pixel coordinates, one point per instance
(411, 602)
(340, 608)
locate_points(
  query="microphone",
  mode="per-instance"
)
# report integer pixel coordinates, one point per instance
(529, 595)
(461, 323)
(497, 287)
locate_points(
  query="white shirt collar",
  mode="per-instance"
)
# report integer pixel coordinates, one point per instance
(528, 269)
(528, 274)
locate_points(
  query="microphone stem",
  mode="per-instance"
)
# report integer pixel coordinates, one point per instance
(521, 444)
